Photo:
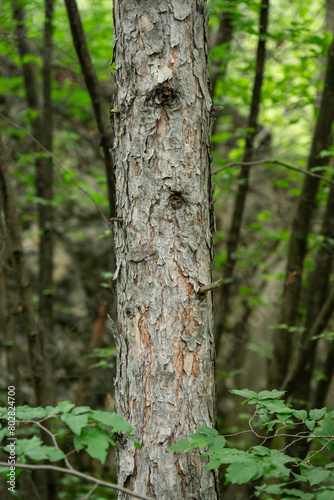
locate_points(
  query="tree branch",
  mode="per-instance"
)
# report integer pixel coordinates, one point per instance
(76, 473)
(274, 162)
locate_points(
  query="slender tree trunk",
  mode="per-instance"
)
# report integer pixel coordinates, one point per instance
(95, 93)
(42, 131)
(300, 229)
(238, 212)
(17, 257)
(6, 314)
(165, 371)
(44, 184)
(224, 37)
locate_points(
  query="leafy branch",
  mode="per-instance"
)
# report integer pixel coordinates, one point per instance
(261, 461)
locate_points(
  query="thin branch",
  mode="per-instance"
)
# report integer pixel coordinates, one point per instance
(89, 493)
(53, 438)
(322, 448)
(76, 473)
(60, 165)
(211, 286)
(274, 162)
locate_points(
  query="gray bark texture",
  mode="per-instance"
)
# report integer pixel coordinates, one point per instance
(163, 242)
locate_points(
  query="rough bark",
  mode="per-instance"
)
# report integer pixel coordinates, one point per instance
(95, 93)
(243, 180)
(165, 369)
(300, 229)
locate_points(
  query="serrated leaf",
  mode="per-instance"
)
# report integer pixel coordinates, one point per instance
(54, 454)
(96, 443)
(245, 393)
(217, 445)
(261, 450)
(75, 422)
(241, 472)
(274, 394)
(209, 431)
(26, 412)
(81, 409)
(310, 424)
(317, 475)
(34, 449)
(325, 495)
(51, 411)
(112, 420)
(181, 445)
(300, 414)
(65, 406)
(316, 414)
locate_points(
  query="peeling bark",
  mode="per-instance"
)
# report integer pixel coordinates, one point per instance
(165, 372)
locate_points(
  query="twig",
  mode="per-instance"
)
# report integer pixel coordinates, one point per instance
(275, 162)
(60, 165)
(211, 286)
(89, 493)
(322, 448)
(52, 436)
(76, 473)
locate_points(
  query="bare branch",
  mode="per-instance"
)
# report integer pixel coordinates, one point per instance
(274, 162)
(211, 286)
(76, 473)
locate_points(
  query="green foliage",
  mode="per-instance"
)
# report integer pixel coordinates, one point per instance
(105, 354)
(90, 430)
(278, 470)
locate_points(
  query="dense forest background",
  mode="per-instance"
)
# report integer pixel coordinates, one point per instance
(272, 152)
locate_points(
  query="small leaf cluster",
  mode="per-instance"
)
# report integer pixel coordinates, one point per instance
(91, 430)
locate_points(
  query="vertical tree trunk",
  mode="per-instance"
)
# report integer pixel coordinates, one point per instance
(300, 228)
(44, 185)
(243, 179)
(165, 373)
(93, 87)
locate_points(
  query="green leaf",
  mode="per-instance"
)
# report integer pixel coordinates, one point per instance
(112, 420)
(300, 414)
(317, 414)
(96, 442)
(65, 406)
(310, 424)
(181, 445)
(241, 472)
(34, 449)
(325, 495)
(245, 393)
(26, 412)
(81, 409)
(75, 422)
(274, 394)
(261, 450)
(316, 476)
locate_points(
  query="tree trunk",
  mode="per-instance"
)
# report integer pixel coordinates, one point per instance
(300, 229)
(165, 372)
